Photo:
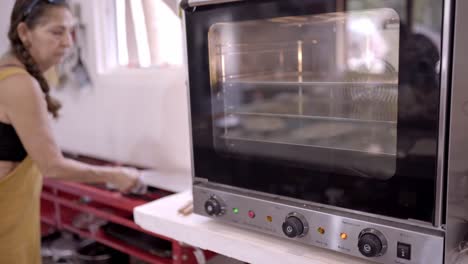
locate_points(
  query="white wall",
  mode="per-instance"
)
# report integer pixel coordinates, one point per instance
(6, 7)
(140, 119)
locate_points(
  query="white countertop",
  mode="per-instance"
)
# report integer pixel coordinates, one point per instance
(167, 180)
(162, 217)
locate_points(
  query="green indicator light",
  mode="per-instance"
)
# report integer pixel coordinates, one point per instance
(235, 210)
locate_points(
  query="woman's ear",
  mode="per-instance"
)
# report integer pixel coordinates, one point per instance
(23, 33)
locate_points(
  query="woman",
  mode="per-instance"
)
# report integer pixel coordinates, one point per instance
(40, 34)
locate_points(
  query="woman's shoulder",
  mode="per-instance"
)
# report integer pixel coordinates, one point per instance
(9, 71)
(17, 83)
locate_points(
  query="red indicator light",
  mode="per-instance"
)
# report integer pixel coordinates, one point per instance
(251, 214)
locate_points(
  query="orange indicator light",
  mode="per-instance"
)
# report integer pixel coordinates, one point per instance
(320, 230)
(343, 236)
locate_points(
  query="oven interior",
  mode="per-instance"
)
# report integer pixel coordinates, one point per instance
(327, 81)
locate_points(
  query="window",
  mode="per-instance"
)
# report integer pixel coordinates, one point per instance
(149, 33)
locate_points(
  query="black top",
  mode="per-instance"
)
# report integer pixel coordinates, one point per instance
(11, 148)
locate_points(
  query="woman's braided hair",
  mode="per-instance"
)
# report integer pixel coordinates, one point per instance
(20, 51)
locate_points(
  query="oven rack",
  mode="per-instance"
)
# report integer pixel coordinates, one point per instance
(310, 117)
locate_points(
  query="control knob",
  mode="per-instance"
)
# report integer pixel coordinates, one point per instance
(372, 243)
(214, 207)
(295, 225)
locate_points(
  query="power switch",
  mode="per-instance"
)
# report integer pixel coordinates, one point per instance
(404, 251)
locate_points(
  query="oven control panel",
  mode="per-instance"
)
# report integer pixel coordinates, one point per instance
(376, 240)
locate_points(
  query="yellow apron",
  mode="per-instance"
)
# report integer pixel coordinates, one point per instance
(20, 193)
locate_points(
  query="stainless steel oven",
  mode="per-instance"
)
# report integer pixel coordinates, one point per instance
(336, 123)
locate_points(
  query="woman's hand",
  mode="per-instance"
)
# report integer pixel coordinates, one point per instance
(125, 179)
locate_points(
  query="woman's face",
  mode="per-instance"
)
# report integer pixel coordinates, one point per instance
(50, 39)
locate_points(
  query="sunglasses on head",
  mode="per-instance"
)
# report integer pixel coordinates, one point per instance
(34, 3)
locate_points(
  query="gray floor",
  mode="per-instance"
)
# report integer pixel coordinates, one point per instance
(223, 260)
(67, 241)
(216, 260)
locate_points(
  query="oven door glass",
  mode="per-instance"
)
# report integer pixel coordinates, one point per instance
(328, 102)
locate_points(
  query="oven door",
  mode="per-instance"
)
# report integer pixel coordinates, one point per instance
(330, 102)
